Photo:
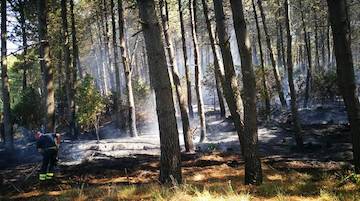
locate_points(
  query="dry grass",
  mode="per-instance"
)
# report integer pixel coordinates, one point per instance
(217, 182)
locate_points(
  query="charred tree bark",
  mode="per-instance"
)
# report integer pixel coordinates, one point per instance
(263, 76)
(272, 58)
(218, 75)
(76, 58)
(228, 76)
(189, 145)
(105, 27)
(127, 72)
(253, 172)
(198, 75)
(340, 25)
(170, 162)
(294, 109)
(47, 68)
(8, 136)
(308, 54)
(187, 71)
(118, 102)
(69, 82)
(21, 5)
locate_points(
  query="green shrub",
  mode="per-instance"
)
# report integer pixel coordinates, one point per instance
(27, 111)
(90, 103)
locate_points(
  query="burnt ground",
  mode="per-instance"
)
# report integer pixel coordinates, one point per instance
(127, 161)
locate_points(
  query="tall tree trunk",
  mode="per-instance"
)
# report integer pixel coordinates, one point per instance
(228, 77)
(75, 66)
(263, 76)
(308, 54)
(69, 82)
(294, 109)
(170, 162)
(5, 81)
(45, 63)
(105, 27)
(189, 145)
(340, 25)
(316, 30)
(120, 123)
(127, 72)
(102, 57)
(197, 59)
(186, 65)
(253, 172)
(272, 58)
(76, 58)
(24, 41)
(217, 72)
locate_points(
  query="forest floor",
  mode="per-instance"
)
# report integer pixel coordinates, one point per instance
(123, 168)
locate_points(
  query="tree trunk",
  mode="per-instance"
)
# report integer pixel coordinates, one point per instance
(76, 58)
(48, 69)
(102, 58)
(105, 27)
(170, 162)
(253, 172)
(197, 59)
(317, 55)
(186, 65)
(294, 109)
(127, 72)
(217, 72)
(24, 41)
(189, 145)
(75, 67)
(272, 58)
(228, 77)
(118, 102)
(68, 71)
(5, 81)
(265, 93)
(340, 25)
(308, 54)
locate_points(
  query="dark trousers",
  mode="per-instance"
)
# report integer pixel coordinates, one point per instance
(49, 161)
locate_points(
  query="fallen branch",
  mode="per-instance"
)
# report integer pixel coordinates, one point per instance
(32, 171)
(16, 188)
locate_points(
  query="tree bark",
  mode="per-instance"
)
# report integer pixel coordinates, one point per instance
(308, 54)
(76, 58)
(187, 71)
(127, 72)
(170, 162)
(21, 5)
(105, 27)
(198, 75)
(189, 145)
(69, 82)
(47, 68)
(263, 76)
(340, 25)
(228, 75)
(8, 136)
(272, 58)
(253, 172)
(118, 102)
(294, 109)
(217, 72)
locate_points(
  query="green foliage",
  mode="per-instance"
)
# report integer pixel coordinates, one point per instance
(270, 81)
(27, 111)
(324, 85)
(90, 103)
(141, 90)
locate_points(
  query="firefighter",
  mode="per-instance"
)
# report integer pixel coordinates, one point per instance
(48, 145)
